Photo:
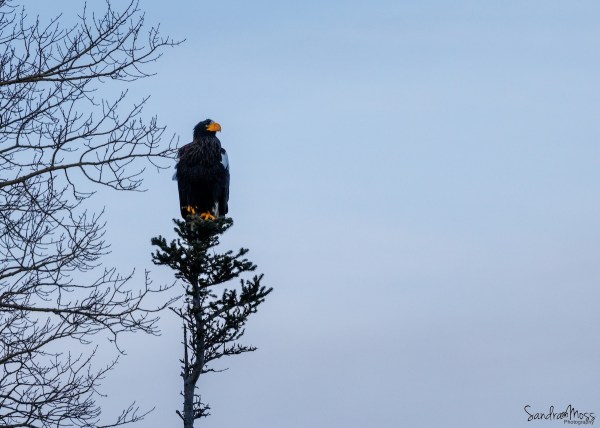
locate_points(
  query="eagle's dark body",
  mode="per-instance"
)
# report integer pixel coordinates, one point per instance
(203, 173)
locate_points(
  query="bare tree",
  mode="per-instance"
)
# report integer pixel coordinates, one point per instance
(60, 140)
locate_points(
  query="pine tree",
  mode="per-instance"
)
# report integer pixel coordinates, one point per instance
(212, 323)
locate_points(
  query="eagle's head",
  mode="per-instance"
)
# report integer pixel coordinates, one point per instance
(206, 127)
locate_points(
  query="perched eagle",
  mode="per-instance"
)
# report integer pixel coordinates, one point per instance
(202, 174)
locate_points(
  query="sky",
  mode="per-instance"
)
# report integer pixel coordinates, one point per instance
(417, 180)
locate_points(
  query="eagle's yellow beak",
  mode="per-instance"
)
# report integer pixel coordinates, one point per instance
(214, 127)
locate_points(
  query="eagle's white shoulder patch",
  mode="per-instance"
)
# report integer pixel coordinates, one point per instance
(224, 159)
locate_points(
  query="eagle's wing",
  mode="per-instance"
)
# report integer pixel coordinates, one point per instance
(183, 182)
(181, 152)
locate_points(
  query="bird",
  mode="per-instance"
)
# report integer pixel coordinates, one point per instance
(202, 174)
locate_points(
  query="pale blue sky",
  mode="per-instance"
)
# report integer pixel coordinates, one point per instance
(419, 183)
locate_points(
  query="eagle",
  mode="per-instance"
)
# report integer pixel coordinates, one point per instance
(202, 174)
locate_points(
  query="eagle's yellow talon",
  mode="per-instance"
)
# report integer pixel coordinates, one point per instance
(207, 216)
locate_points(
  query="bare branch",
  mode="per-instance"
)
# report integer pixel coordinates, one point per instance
(60, 139)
